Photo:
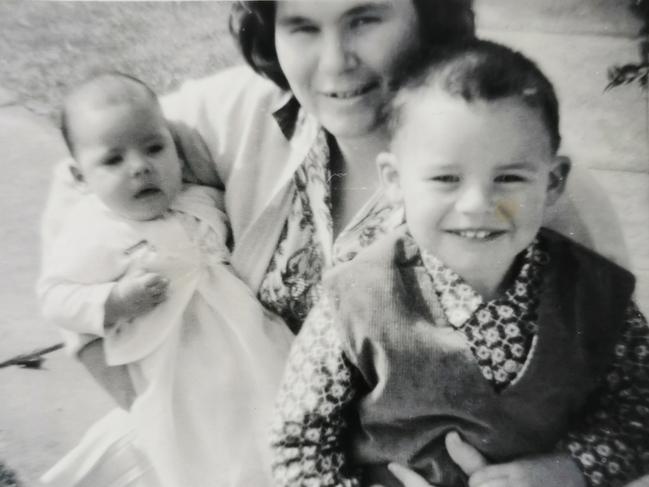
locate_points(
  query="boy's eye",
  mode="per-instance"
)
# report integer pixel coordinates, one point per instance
(446, 178)
(510, 178)
(154, 149)
(113, 160)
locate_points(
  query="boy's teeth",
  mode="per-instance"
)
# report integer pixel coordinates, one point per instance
(475, 234)
(347, 94)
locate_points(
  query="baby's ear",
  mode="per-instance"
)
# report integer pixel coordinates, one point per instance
(388, 167)
(558, 178)
(76, 173)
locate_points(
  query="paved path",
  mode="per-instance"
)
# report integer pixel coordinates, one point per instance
(41, 414)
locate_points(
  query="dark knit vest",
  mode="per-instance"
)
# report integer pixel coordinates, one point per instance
(423, 381)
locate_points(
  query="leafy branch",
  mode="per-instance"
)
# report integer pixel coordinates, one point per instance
(639, 71)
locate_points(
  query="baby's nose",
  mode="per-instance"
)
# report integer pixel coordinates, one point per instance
(139, 165)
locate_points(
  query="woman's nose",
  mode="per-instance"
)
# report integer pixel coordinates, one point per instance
(336, 53)
(474, 199)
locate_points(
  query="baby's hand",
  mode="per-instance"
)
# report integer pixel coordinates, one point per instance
(135, 293)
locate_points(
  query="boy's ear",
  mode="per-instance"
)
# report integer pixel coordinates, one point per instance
(76, 173)
(387, 165)
(558, 178)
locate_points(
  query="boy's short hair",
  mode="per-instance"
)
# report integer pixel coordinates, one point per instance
(117, 78)
(478, 70)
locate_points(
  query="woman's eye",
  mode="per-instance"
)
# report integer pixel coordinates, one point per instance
(154, 149)
(510, 178)
(357, 22)
(446, 178)
(113, 160)
(304, 29)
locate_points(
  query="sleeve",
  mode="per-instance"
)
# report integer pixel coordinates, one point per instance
(78, 308)
(78, 271)
(610, 445)
(312, 406)
(64, 194)
(198, 128)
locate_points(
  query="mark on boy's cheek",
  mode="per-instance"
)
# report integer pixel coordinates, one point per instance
(506, 210)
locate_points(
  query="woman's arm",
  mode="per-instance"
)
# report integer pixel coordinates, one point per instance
(610, 444)
(317, 388)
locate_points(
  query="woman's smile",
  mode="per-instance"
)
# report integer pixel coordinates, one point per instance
(350, 93)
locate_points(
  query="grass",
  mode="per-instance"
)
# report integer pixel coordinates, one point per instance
(46, 47)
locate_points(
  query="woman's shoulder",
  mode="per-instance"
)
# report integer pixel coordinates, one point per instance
(234, 87)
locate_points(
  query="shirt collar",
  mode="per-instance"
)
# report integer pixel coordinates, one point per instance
(286, 114)
(460, 301)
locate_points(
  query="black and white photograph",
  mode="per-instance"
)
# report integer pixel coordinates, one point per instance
(324, 243)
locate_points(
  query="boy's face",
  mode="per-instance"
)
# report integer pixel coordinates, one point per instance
(475, 179)
(126, 156)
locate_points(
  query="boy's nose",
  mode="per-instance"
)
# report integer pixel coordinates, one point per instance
(475, 199)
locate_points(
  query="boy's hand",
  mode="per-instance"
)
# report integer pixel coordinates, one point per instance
(135, 293)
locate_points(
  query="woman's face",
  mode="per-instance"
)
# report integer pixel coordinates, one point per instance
(338, 57)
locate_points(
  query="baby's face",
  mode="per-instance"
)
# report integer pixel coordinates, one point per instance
(127, 156)
(475, 179)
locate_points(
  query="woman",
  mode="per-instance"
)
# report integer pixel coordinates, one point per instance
(294, 148)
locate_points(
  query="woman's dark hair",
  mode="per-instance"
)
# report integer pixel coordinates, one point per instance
(253, 25)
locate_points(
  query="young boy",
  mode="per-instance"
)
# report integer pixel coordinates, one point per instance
(471, 319)
(141, 260)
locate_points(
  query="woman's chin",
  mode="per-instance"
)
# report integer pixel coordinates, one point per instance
(343, 124)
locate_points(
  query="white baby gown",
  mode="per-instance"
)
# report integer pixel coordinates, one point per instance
(205, 363)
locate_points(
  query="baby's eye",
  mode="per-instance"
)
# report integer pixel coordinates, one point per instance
(113, 160)
(446, 178)
(510, 178)
(154, 149)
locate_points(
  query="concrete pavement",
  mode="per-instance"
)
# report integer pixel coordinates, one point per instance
(42, 412)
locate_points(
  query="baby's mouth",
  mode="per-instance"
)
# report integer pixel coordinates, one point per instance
(146, 191)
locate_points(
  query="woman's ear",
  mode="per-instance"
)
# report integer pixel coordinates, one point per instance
(388, 167)
(558, 178)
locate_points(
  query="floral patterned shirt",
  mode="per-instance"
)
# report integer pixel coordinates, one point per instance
(306, 245)
(320, 383)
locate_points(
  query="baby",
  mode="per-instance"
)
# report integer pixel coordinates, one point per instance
(142, 261)
(472, 320)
